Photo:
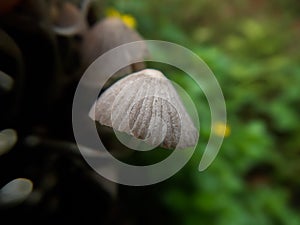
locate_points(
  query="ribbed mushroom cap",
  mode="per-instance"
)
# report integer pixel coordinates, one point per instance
(146, 105)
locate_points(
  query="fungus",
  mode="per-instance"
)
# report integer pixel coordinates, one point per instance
(108, 34)
(8, 138)
(6, 82)
(146, 105)
(70, 20)
(15, 192)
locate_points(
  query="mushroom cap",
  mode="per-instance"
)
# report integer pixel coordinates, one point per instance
(6, 82)
(15, 192)
(8, 138)
(69, 19)
(146, 105)
(67, 15)
(108, 34)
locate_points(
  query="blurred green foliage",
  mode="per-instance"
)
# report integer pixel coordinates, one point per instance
(253, 49)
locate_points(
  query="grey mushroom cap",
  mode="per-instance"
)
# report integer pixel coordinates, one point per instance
(15, 192)
(8, 139)
(146, 105)
(108, 34)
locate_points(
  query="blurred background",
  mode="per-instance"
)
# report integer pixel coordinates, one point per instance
(252, 47)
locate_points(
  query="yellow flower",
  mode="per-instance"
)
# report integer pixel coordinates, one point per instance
(221, 129)
(128, 19)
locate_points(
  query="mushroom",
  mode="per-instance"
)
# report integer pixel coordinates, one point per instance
(15, 192)
(108, 34)
(6, 82)
(8, 139)
(68, 19)
(146, 105)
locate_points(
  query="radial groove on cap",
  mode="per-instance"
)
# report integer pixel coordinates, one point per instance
(146, 105)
